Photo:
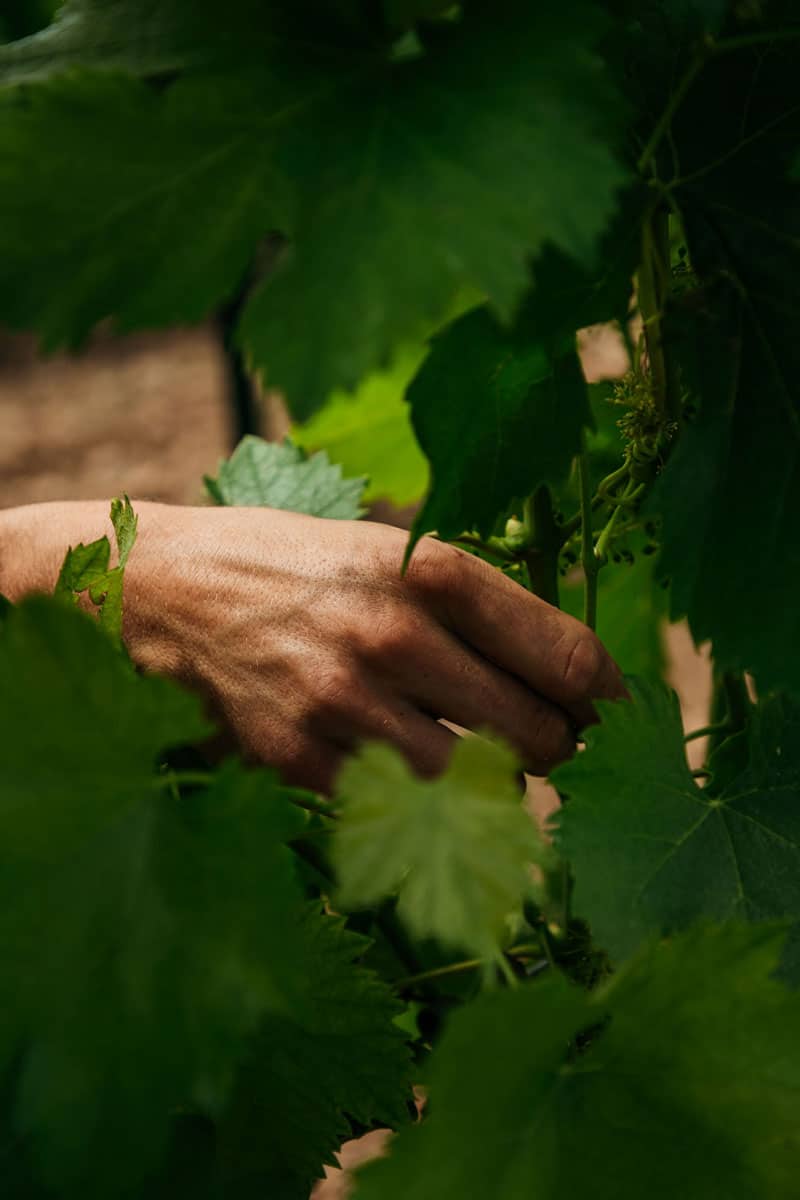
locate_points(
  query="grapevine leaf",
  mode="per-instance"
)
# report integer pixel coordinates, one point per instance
(134, 35)
(731, 490)
(380, 169)
(125, 522)
(496, 414)
(159, 222)
(308, 1075)
(679, 1078)
(281, 475)
(412, 173)
(456, 849)
(83, 566)
(651, 850)
(370, 430)
(143, 937)
(527, 399)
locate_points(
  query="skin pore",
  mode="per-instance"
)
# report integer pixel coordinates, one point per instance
(304, 639)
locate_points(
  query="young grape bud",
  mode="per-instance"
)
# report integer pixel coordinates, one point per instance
(516, 536)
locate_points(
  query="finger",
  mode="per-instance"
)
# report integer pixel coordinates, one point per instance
(554, 654)
(424, 743)
(305, 761)
(471, 692)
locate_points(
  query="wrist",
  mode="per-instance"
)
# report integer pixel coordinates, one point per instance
(35, 538)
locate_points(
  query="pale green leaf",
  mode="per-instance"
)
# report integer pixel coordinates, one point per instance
(456, 849)
(369, 431)
(281, 475)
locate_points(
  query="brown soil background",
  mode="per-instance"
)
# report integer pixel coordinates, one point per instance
(149, 415)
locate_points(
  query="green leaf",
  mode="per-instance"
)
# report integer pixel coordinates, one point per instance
(312, 1077)
(139, 205)
(384, 171)
(85, 569)
(281, 475)
(496, 414)
(369, 431)
(731, 490)
(144, 937)
(680, 1078)
(134, 35)
(651, 850)
(125, 522)
(456, 849)
(410, 179)
(82, 567)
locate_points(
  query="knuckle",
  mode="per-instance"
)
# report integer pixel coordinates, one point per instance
(336, 690)
(439, 569)
(389, 637)
(583, 667)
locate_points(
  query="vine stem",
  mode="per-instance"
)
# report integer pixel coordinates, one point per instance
(494, 546)
(673, 104)
(459, 968)
(315, 805)
(545, 540)
(708, 731)
(589, 559)
(632, 490)
(179, 779)
(709, 51)
(600, 498)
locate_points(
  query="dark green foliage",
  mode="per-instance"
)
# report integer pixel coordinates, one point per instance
(652, 850)
(309, 1073)
(21, 18)
(150, 937)
(396, 179)
(731, 493)
(182, 1014)
(679, 1077)
(494, 413)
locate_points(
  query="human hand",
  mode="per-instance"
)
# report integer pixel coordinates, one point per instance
(305, 639)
